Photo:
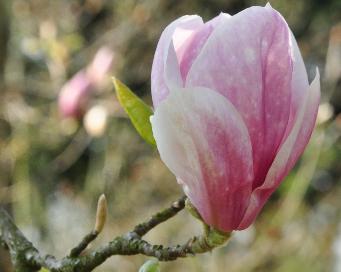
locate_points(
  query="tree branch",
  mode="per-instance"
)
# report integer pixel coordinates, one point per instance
(26, 257)
(160, 217)
(83, 244)
(22, 252)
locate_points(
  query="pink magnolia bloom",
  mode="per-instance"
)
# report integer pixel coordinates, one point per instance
(74, 95)
(233, 110)
(101, 65)
(76, 92)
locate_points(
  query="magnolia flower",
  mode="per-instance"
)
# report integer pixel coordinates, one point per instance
(233, 110)
(101, 65)
(75, 93)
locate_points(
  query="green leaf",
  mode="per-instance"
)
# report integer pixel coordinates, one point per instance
(138, 111)
(150, 266)
(44, 270)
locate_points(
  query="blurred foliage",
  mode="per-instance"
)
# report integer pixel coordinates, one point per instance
(52, 170)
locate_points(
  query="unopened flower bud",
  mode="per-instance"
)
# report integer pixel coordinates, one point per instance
(101, 214)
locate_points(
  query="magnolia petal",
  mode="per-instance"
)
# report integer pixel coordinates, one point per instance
(299, 85)
(165, 69)
(193, 45)
(288, 153)
(203, 140)
(172, 74)
(247, 59)
(300, 81)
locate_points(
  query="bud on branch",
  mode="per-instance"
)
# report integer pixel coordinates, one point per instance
(101, 215)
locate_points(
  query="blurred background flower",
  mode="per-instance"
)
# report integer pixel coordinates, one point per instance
(75, 94)
(53, 169)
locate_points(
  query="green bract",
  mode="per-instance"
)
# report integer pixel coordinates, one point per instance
(150, 266)
(138, 111)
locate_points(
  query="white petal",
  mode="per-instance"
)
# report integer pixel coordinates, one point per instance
(204, 142)
(165, 69)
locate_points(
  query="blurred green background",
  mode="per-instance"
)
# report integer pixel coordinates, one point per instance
(53, 169)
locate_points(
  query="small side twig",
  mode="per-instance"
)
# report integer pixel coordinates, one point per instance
(76, 251)
(158, 218)
(101, 216)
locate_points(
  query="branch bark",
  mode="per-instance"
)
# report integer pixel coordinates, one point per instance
(26, 257)
(83, 244)
(160, 217)
(22, 251)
